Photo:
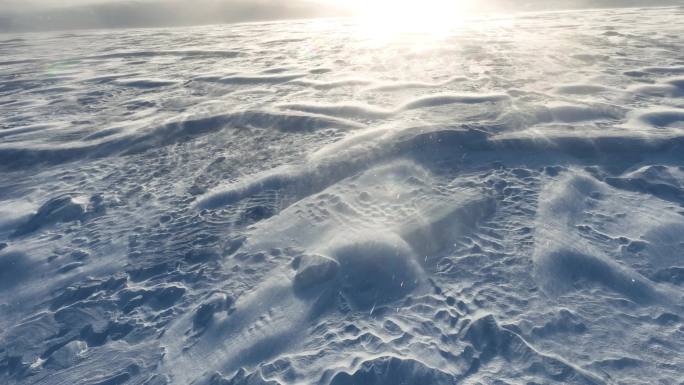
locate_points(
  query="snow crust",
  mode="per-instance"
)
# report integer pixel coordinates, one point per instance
(301, 203)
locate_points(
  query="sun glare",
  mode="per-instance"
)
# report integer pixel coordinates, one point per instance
(386, 18)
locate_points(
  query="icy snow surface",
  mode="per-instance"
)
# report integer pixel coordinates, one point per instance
(303, 203)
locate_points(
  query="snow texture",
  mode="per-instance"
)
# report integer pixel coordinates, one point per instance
(303, 203)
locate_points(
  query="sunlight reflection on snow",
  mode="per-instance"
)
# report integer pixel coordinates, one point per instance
(387, 19)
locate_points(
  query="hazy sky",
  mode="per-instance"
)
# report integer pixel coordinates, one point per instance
(33, 4)
(31, 15)
(40, 15)
(43, 4)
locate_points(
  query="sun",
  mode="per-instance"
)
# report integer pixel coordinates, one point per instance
(385, 18)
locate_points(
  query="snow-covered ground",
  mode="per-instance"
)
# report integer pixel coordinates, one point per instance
(313, 203)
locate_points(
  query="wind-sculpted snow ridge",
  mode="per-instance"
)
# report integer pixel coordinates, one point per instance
(369, 112)
(134, 140)
(391, 213)
(565, 250)
(303, 203)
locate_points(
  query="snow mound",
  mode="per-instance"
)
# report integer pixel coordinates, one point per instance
(392, 370)
(60, 210)
(377, 271)
(661, 118)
